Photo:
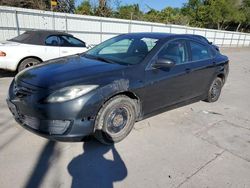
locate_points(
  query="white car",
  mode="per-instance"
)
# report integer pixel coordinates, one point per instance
(34, 47)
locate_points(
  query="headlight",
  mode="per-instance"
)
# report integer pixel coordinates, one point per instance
(69, 93)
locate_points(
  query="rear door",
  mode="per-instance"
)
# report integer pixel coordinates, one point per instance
(70, 45)
(201, 68)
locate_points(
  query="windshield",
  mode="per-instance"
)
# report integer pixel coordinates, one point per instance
(124, 49)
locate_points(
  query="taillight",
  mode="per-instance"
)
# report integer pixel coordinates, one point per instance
(2, 53)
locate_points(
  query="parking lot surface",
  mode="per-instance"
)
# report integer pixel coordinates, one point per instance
(199, 145)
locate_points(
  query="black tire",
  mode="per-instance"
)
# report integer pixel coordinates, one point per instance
(27, 63)
(214, 90)
(115, 119)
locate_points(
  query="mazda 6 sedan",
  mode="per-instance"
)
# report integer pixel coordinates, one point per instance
(105, 90)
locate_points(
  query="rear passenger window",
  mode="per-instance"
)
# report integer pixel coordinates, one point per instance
(175, 51)
(200, 51)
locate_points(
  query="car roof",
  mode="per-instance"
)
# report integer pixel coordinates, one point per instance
(37, 37)
(165, 35)
(151, 34)
(48, 32)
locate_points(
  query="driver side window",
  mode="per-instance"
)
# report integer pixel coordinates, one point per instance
(175, 51)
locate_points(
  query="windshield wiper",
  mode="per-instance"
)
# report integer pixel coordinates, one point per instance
(105, 60)
(99, 58)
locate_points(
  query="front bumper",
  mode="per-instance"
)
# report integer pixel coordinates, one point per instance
(69, 121)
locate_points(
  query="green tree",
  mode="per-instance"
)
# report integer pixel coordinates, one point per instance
(239, 18)
(67, 6)
(129, 12)
(173, 16)
(63, 5)
(246, 11)
(33, 4)
(103, 9)
(223, 12)
(153, 16)
(195, 11)
(84, 8)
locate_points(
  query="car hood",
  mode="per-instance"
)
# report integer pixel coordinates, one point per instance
(67, 71)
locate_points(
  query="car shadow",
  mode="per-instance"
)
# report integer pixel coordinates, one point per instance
(4, 73)
(92, 169)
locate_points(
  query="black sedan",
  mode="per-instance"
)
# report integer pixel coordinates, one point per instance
(105, 90)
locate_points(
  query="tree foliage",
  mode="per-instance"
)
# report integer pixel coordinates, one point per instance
(33, 4)
(84, 8)
(103, 9)
(246, 10)
(63, 5)
(215, 14)
(129, 12)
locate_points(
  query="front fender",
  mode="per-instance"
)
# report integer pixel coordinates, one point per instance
(113, 88)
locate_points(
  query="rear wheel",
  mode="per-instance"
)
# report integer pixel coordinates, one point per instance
(116, 119)
(28, 63)
(215, 90)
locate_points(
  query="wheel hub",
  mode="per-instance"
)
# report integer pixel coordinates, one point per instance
(117, 120)
(215, 90)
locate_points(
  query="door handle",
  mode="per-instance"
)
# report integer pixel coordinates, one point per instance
(64, 51)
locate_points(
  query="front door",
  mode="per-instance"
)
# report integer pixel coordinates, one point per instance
(167, 86)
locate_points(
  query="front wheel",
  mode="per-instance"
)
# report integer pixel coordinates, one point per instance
(115, 120)
(214, 90)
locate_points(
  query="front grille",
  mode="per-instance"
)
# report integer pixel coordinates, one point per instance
(23, 91)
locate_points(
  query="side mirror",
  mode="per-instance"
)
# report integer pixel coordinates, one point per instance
(164, 63)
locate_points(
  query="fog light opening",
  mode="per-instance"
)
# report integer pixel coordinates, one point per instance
(46, 126)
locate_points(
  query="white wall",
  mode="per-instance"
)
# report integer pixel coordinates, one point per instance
(93, 30)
